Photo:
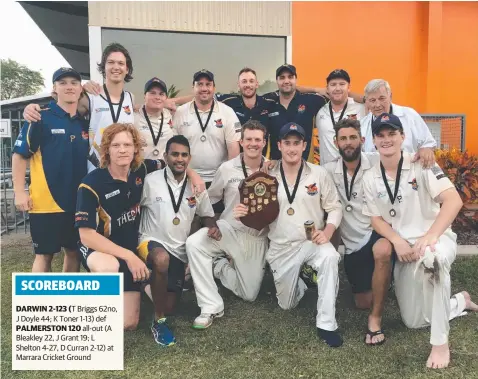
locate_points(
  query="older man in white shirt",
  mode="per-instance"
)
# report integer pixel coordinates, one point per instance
(378, 98)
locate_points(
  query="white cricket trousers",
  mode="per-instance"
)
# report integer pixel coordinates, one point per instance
(286, 264)
(243, 278)
(424, 297)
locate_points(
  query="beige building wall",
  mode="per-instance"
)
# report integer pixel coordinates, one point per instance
(233, 17)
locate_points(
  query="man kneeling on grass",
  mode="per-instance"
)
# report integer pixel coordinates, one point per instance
(403, 200)
(168, 206)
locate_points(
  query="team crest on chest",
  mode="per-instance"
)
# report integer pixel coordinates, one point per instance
(138, 182)
(311, 189)
(414, 184)
(191, 201)
(218, 123)
(85, 135)
(127, 109)
(301, 108)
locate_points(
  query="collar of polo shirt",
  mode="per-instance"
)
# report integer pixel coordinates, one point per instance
(215, 102)
(407, 161)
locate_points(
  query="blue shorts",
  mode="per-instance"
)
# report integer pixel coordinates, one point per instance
(52, 231)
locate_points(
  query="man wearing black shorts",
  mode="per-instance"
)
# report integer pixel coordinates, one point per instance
(57, 148)
(107, 213)
(367, 258)
(168, 207)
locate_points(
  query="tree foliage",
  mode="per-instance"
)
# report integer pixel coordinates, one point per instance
(18, 80)
(173, 91)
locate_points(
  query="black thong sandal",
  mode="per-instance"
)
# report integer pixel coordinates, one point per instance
(373, 334)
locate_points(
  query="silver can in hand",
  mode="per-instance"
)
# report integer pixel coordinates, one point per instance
(309, 227)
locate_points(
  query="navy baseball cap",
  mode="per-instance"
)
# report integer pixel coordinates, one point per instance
(286, 67)
(386, 119)
(155, 82)
(64, 72)
(291, 128)
(203, 74)
(339, 74)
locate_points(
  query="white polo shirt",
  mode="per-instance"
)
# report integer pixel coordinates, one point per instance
(315, 195)
(100, 118)
(325, 128)
(417, 133)
(208, 149)
(355, 228)
(157, 212)
(167, 132)
(226, 186)
(416, 204)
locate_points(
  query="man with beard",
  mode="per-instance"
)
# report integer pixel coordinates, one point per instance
(212, 128)
(245, 247)
(414, 208)
(112, 105)
(367, 259)
(340, 106)
(292, 106)
(378, 98)
(306, 191)
(168, 207)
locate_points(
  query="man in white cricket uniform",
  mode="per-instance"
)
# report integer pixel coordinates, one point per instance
(378, 98)
(212, 128)
(168, 208)
(245, 246)
(305, 193)
(154, 121)
(403, 200)
(340, 106)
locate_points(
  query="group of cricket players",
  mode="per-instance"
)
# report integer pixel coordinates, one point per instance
(152, 191)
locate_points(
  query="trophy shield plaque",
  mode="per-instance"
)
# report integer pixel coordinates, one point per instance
(259, 193)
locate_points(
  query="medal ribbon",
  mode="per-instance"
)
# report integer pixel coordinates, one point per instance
(110, 104)
(171, 194)
(296, 185)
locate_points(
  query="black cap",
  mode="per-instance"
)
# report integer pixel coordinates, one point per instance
(386, 119)
(203, 74)
(339, 74)
(64, 72)
(286, 67)
(155, 82)
(291, 128)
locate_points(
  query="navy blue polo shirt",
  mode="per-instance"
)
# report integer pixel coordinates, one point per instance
(57, 147)
(112, 206)
(302, 109)
(260, 111)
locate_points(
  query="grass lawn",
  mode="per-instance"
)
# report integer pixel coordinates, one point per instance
(262, 341)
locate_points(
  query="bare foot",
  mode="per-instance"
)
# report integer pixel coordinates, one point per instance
(470, 305)
(439, 356)
(374, 324)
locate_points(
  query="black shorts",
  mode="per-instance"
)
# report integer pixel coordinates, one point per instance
(359, 266)
(52, 231)
(128, 283)
(176, 268)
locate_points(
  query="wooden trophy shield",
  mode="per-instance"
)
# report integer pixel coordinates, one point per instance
(259, 193)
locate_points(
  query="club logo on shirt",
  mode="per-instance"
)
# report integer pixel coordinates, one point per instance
(139, 181)
(311, 189)
(127, 109)
(129, 216)
(240, 114)
(381, 194)
(218, 123)
(301, 108)
(414, 184)
(264, 111)
(191, 201)
(85, 135)
(352, 116)
(98, 110)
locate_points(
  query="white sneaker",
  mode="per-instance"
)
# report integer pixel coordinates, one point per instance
(204, 320)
